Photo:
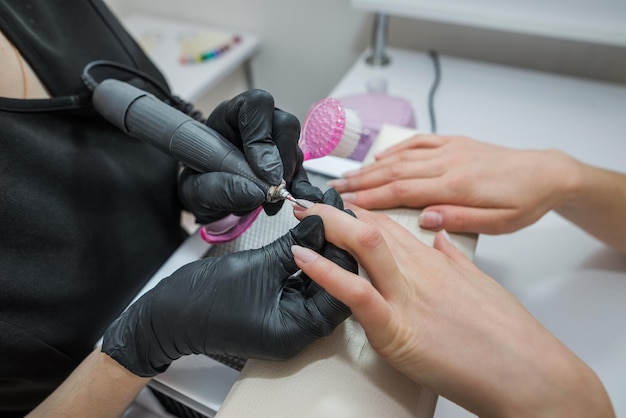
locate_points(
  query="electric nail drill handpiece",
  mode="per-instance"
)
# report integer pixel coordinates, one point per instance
(143, 116)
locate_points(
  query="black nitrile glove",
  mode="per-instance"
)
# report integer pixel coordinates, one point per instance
(247, 304)
(268, 138)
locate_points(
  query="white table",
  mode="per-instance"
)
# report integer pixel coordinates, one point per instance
(569, 281)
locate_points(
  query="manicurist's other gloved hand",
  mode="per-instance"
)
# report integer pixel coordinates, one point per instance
(248, 304)
(268, 138)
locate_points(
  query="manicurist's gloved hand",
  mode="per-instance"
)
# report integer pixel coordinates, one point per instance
(268, 138)
(247, 304)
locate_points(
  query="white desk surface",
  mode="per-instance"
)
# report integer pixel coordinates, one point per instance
(189, 81)
(572, 283)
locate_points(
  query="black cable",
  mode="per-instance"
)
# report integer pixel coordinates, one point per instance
(91, 83)
(175, 101)
(433, 89)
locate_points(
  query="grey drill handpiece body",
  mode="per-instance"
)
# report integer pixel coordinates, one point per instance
(143, 116)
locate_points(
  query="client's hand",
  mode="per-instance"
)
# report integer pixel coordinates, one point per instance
(463, 185)
(437, 318)
(247, 304)
(268, 138)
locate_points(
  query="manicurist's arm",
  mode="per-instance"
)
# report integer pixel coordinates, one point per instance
(98, 387)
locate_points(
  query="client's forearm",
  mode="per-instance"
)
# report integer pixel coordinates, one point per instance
(597, 204)
(98, 387)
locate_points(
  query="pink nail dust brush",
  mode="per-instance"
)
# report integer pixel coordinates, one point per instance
(329, 129)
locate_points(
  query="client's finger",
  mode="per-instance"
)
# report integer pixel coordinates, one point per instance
(407, 248)
(443, 243)
(365, 242)
(417, 141)
(366, 304)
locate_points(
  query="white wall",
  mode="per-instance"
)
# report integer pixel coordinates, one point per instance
(587, 60)
(306, 46)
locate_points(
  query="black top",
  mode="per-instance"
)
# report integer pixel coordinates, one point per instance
(87, 214)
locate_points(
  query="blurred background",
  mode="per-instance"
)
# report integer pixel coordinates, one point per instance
(306, 46)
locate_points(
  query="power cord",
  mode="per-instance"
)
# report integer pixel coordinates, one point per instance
(434, 56)
(175, 101)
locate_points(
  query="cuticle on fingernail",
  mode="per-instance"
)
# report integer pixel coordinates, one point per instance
(303, 204)
(348, 197)
(304, 254)
(430, 219)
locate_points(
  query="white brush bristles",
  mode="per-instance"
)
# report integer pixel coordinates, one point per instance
(351, 135)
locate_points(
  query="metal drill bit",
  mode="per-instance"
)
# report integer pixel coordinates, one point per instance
(287, 196)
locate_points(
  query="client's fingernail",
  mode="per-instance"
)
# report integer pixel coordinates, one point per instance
(302, 204)
(446, 236)
(337, 183)
(430, 220)
(352, 173)
(348, 197)
(303, 254)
